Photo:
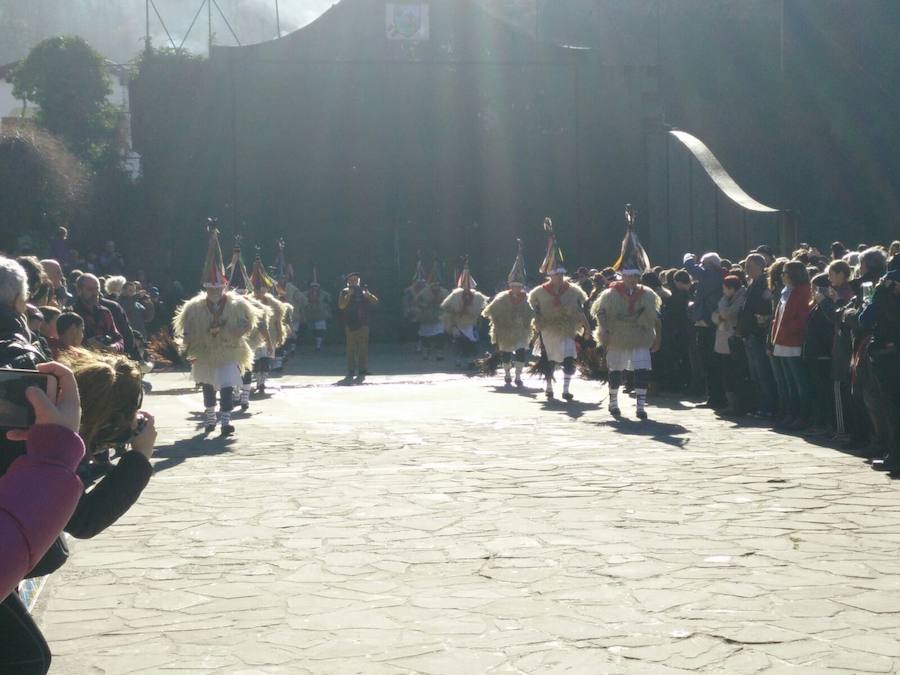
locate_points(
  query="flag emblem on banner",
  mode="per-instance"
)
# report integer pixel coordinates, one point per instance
(407, 21)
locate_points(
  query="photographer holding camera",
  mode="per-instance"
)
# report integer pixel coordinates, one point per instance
(355, 301)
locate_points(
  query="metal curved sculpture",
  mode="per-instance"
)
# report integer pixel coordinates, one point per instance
(719, 175)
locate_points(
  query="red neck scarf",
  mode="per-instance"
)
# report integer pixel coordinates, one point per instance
(557, 295)
(620, 288)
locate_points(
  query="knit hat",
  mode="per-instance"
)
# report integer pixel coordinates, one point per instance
(553, 260)
(259, 278)
(238, 279)
(214, 268)
(633, 259)
(517, 274)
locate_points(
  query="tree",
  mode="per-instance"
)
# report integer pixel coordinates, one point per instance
(43, 185)
(67, 79)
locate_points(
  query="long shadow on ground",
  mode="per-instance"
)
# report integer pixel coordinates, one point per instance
(661, 432)
(199, 445)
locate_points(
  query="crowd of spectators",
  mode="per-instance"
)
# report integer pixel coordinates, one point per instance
(809, 344)
(61, 474)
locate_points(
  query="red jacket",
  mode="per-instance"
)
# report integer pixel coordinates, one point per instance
(789, 326)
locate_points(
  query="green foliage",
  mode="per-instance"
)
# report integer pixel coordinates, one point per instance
(66, 78)
(43, 185)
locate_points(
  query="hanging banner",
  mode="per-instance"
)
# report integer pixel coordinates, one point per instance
(407, 21)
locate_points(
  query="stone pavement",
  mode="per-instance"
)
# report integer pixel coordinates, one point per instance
(433, 524)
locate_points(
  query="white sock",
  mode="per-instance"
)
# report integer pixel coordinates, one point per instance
(613, 397)
(262, 377)
(245, 393)
(641, 398)
(226, 418)
(519, 367)
(507, 368)
(567, 380)
(210, 416)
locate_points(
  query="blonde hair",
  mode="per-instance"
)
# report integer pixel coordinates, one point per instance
(114, 285)
(111, 393)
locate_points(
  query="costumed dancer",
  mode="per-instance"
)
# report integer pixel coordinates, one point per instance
(627, 316)
(212, 328)
(460, 312)
(559, 317)
(239, 283)
(410, 293)
(428, 313)
(318, 310)
(283, 272)
(276, 333)
(511, 317)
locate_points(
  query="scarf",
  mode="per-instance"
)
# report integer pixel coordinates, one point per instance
(557, 296)
(619, 287)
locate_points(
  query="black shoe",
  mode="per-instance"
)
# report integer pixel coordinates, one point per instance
(569, 397)
(245, 407)
(641, 414)
(227, 429)
(507, 380)
(348, 379)
(519, 383)
(210, 428)
(549, 395)
(615, 412)
(360, 378)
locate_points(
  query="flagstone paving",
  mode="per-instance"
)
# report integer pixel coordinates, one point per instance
(438, 525)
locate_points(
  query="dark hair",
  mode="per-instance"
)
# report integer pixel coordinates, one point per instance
(821, 281)
(838, 248)
(50, 313)
(682, 277)
(840, 267)
(66, 320)
(775, 270)
(796, 272)
(651, 279)
(732, 281)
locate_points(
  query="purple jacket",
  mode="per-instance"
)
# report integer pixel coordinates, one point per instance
(38, 495)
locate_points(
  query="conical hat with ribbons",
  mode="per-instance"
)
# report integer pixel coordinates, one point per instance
(238, 279)
(553, 259)
(633, 259)
(214, 267)
(465, 280)
(517, 274)
(259, 278)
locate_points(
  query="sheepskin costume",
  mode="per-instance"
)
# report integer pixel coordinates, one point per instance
(558, 318)
(630, 320)
(215, 336)
(511, 320)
